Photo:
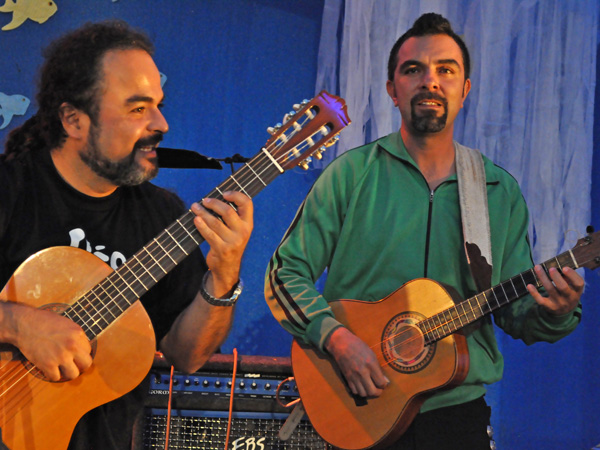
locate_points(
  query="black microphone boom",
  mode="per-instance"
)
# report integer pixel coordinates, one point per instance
(237, 158)
(175, 158)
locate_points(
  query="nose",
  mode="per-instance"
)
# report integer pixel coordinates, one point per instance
(158, 122)
(430, 80)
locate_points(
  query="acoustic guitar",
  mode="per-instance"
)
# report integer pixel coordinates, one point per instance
(36, 414)
(415, 334)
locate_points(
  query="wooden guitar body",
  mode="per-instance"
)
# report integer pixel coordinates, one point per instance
(415, 370)
(36, 414)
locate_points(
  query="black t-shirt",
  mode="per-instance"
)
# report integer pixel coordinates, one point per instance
(38, 209)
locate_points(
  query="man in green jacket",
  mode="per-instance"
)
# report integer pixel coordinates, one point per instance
(388, 212)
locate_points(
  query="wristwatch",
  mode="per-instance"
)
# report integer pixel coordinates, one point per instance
(229, 299)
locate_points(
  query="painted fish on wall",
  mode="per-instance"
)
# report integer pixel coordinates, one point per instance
(37, 10)
(12, 105)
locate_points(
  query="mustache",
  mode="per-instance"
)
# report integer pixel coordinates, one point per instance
(151, 140)
(428, 96)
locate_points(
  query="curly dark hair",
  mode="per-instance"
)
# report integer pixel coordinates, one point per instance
(72, 73)
(427, 25)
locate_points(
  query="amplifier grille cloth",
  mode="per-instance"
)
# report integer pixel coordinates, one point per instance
(209, 433)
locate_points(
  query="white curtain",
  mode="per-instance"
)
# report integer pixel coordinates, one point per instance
(530, 108)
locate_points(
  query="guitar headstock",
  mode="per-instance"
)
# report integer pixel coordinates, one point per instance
(587, 251)
(312, 127)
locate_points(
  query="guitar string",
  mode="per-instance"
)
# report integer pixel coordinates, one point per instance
(285, 156)
(452, 320)
(241, 175)
(384, 363)
(22, 396)
(507, 299)
(568, 260)
(24, 371)
(251, 173)
(431, 331)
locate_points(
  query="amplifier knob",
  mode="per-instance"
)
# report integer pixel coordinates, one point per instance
(205, 383)
(187, 382)
(268, 386)
(218, 384)
(242, 385)
(253, 385)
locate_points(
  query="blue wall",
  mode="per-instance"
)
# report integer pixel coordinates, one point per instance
(233, 68)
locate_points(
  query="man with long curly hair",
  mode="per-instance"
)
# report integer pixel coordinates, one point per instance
(76, 174)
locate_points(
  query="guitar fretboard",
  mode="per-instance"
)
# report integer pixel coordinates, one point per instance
(468, 311)
(104, 303)
(315, 125)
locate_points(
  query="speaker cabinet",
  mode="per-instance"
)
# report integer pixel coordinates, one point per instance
(200, 407)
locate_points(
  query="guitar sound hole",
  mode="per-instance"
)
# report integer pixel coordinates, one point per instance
(403, 345)
(408, 343)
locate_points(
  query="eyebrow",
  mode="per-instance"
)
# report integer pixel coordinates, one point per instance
(413, 62)
(143, 99)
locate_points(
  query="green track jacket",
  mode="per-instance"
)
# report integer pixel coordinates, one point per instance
(373, 224)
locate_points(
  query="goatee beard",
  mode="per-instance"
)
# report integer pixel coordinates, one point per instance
(428, 121)
(125, 172)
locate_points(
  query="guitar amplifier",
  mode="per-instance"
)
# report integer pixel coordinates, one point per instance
(200, 407)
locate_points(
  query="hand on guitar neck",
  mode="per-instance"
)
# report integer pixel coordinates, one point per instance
(564, 291)
(226, 227)
(54, 344)
(357, 362)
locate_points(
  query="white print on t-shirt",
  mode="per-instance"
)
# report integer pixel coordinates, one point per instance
(78, 236)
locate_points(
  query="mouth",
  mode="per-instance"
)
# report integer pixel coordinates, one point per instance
(429, 103)
(147, 148)
(148, 144)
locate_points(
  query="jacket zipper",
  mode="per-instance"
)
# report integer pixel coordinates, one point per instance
(428, 235)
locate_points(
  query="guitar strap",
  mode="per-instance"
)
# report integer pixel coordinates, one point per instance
(472, 194)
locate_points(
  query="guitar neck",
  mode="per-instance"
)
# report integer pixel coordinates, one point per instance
(314, 126)
(468, 311)
(103, 304)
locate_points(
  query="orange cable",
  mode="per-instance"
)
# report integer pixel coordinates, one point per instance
(231, 397)
(279, 386)
(169, 409)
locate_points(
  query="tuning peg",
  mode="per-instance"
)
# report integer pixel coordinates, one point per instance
(288, 116)
(319, 152)
(298, 106)
(304, 164)
(333, 140)
(273, 130)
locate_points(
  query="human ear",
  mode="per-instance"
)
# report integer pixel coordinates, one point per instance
(466, 90)
(74, 121)
(391, 90)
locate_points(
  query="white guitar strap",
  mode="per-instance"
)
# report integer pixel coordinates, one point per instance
(472, 193)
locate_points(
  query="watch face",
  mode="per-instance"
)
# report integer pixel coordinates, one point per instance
(223, 301)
